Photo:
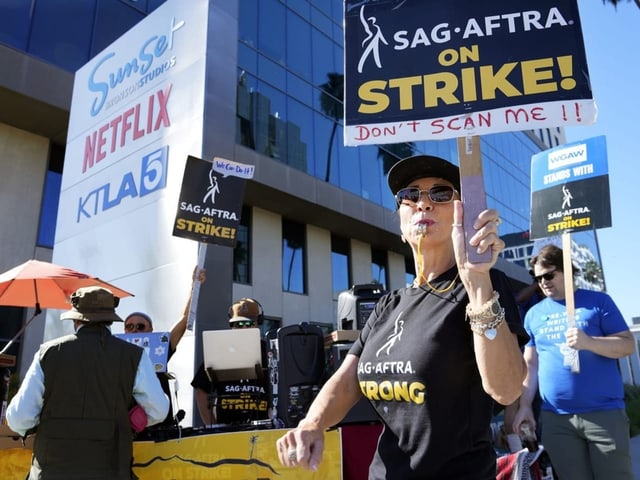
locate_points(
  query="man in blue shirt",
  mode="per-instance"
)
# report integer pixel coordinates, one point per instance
(584, 424)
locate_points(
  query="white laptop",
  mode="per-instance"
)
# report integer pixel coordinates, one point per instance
(232, 354)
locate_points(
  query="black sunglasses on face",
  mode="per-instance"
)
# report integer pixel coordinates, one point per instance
(437, 194)
(130, 327)
(241, 324)
(545, 276)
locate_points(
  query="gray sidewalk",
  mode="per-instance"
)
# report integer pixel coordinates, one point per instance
(635, 455)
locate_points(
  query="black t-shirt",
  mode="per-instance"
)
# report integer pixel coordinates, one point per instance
(238, 401)
(418, 369)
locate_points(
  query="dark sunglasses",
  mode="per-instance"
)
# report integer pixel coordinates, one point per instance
(437, 194)
(545, 276)
(241, 324)
(130, 327)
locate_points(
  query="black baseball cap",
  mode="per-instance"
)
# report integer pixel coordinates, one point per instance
(420, 166)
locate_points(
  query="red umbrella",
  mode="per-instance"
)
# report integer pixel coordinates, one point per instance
(45, 285)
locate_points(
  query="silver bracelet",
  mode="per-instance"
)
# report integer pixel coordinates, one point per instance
(489, 330)
(491, 310)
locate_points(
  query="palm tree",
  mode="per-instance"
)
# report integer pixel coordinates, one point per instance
(332, 104)
(593, 273)
(294, 245)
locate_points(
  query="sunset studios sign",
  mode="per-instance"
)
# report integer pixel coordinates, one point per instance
(211, 200)
(570, 188)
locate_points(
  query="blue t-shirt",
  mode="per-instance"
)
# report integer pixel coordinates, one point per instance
(598, 386)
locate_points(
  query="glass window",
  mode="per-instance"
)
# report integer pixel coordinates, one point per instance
(379, 267)
(293, 257)
(325, 154)
(66, 41)
(248, 22)
(340, 261)
(51, 197)
(242, 250)
(299, 135)
(247, 58)
(300, 89)
(271, 72)
(272, 29)
(349, 166)
(246, 98)
(321, 19)
(14, 24)
(302, 7)
(370, 179)
(298, 45)
(322, 62)
(337, 7)
(270, 127)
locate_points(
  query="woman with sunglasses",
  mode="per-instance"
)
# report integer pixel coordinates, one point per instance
(585, 428)
(433, 356)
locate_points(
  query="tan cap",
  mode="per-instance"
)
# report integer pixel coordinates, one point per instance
(93, 304)
(244, 310)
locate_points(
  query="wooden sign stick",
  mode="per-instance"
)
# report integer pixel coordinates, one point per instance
(195, 293)
(567, 265)
(473, 193)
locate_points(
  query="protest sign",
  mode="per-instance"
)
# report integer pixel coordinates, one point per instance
(570, 188)
(418, 70)
(210, 201)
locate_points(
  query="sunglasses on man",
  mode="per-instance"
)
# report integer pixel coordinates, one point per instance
(135, 327)
(242, 324)
(545, 276)
(437, 194)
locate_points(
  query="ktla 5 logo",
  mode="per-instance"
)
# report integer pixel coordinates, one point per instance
(151, 177)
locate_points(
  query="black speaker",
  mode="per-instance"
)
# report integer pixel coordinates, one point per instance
(301, 369)
(356, 304)
(361, 412)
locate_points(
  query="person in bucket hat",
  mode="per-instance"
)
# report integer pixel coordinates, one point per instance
(77, 394)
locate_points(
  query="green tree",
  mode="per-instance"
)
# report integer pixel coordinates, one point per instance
(593, 273)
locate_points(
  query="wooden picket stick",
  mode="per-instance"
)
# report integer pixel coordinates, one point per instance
(572, 360)
(193, 309)
(473, 193)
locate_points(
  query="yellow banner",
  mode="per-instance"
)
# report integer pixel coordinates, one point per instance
(235, 456)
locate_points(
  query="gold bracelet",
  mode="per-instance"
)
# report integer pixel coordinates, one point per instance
(491, 310)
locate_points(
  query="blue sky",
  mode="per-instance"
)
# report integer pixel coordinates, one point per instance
(611, 38)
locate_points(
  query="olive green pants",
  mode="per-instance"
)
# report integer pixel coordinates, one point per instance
(588, 446)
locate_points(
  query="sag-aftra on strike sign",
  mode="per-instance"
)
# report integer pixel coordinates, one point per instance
(430, 70)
